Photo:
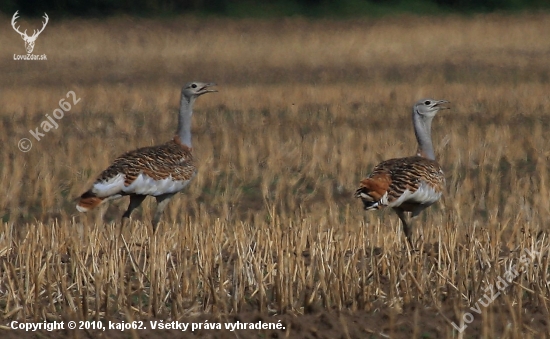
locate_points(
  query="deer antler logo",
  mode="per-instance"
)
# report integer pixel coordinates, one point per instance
(29, 40)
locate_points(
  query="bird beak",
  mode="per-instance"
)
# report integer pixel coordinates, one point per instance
(205, 89)
(442, 104)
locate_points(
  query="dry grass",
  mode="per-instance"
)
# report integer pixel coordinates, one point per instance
(305, 109)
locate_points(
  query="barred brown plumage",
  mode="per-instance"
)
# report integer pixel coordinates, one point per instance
(159, 171)
(157, 162)
(408, 184)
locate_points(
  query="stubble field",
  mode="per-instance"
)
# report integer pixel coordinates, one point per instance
(268, 230)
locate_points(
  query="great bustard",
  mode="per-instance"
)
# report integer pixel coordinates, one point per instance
(408, 184)
(160, 171)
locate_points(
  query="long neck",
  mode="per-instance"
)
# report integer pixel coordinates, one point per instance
(184, 120)
(423, 132)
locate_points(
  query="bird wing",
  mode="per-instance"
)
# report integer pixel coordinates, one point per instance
(156, 170)
(402, 182)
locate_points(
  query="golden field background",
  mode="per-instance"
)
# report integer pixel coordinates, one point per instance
(305, 109)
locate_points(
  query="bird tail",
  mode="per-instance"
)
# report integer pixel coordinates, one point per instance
(368, 202)
(370, 194)
(87, 201)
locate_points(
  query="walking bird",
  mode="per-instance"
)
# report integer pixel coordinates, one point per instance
(408, 184)
(159, 171)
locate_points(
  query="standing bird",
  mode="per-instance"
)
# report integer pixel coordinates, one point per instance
(160, 171)
(408, 184)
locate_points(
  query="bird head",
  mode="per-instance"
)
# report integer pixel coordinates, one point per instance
(195, 89)
(429, 107)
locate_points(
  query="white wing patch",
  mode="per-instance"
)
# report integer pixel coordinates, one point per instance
(109, 187)
(143, 185)
(424, 195)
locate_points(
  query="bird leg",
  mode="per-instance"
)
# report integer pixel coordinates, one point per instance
(162, 201)
(135, 201)
(407, 227)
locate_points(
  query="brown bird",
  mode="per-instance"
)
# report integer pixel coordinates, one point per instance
(408, 184)
(159, 171)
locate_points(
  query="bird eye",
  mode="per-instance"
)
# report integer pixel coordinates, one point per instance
(194, 85)
(427, 102)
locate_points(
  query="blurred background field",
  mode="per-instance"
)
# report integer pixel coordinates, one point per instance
(305, 109)
(269, 8)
